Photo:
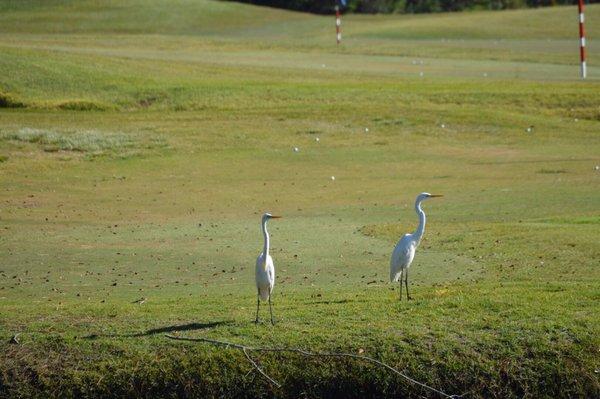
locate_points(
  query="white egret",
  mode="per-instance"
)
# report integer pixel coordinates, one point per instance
(404, 252)
(265, 270)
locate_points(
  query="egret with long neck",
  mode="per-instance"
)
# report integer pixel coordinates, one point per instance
(405, 249)
(265, 270)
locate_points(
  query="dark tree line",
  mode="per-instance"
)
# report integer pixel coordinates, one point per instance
(408, 6)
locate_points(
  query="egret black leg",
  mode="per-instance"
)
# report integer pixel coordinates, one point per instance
(406, 283)
(400, 285)
(257, 306)
(271, 310)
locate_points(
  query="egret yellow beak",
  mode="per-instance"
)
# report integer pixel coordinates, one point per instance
(276, 217)
(435, 195)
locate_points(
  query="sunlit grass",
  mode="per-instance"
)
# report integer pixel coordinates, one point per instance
(88, 142)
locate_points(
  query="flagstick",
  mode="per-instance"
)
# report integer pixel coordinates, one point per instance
(338, 23)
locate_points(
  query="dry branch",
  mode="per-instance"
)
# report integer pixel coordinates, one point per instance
(303, 352)
(15, 339)
(278, 385)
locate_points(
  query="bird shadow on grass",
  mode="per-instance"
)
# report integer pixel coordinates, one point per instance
(341, 301)
(181, 327)
(163, 330)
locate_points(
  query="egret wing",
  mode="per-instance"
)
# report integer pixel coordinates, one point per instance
(271, 272)
(401, 257)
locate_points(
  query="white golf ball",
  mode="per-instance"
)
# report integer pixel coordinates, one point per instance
(528, 130)
(317, 139)
(443, 126)
(332, 178)
(366, 130)
(296, 149)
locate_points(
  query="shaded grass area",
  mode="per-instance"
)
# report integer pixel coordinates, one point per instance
(512, 360)
(7, 101)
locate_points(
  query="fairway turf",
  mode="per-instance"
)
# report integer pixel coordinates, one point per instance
(140, 142)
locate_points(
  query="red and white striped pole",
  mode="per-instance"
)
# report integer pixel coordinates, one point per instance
(582, 40)
(338, 23)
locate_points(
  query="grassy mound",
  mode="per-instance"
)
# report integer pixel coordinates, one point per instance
(7, 101)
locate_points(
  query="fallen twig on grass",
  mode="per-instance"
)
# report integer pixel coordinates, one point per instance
(15, 339)
(278, 385)
(303, 352)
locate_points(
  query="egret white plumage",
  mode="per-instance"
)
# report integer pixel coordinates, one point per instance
(405, 249)
(265, 270)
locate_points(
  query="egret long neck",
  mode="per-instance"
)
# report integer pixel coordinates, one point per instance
(418, 234)
(266, 237)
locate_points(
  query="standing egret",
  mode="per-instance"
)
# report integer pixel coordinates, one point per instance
(404, 252)
(265, 270)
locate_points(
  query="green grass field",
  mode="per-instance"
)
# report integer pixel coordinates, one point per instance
(140, 141)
